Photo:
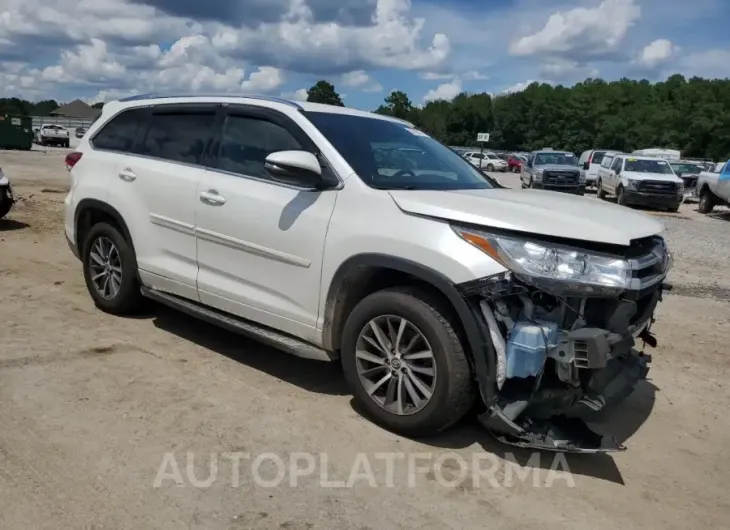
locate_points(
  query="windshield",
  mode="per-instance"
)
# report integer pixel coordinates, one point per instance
(685, 168)
(647, 166)
(559, 159)
(391, 155)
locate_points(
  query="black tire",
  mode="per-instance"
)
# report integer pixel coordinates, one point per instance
(707, 201)
(67, 144)
(620, 199)
(490, 167)
(454, 389)
(128, 298)
(600, 192)
(5, 203)
(531, 184)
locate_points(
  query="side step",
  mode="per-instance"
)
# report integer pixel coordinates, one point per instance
(271, 337)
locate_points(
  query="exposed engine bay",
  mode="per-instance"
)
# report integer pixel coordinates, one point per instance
(564, 354)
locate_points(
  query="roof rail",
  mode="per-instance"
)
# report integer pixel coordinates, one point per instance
(273, 99)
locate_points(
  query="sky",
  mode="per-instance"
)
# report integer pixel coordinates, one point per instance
(100, 50)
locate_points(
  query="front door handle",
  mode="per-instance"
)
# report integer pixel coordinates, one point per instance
(212, 197)
(127, 174)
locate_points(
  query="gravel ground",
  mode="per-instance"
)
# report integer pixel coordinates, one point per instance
(91, 404)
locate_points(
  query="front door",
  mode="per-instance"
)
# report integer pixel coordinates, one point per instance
(260, 242)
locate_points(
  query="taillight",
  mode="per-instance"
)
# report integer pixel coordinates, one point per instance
(72, 159)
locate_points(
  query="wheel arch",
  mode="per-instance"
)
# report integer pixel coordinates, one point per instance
(362, 274)
(91, 211)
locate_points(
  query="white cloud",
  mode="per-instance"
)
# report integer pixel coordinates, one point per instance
(265, 79)
(657, 53)
(297, 95)
(561, 69)
(113, 46)
(433, 76)
(518, 87)
(581, 33)
(446, 91)
(360, 79)
(714, 63)
(473, 75)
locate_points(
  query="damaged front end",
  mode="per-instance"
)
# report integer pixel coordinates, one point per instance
(564, 322)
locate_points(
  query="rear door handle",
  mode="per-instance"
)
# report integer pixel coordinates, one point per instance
(211, 197)
(127, 174)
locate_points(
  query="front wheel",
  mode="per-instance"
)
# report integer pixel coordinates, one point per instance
(405, 363)
(620, 198)
(600, 192)
(110, 270)
(707, 201)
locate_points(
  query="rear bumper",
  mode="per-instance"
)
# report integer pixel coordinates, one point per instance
(638, 198)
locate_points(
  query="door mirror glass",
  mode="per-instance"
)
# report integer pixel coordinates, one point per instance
(299, 168)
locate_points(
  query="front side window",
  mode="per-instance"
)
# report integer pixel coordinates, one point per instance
(391, 155)
(639, 165)
(178, 136)
(597, 157)
(247, 141)
(120, 132)
(616, 166)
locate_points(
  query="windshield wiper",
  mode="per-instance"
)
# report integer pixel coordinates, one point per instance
(404, 187)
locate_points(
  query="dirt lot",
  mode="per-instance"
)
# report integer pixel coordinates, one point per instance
(91, 404)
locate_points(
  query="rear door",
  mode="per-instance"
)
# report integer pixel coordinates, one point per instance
(260, 242)
(155, 190)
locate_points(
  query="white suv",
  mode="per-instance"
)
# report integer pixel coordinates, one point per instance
(336, 234)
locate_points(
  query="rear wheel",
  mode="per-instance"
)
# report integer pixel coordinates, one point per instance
(405, 363)
(707, 201)
(110, 270)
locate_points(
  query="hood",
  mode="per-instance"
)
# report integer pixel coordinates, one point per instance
(557, 167)
(541, 212)
(639, 175)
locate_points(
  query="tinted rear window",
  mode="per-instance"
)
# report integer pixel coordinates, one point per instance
(120, 132)
(178, 136)
(597, 157)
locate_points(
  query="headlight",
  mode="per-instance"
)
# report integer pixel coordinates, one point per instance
(680, 188)
(544, 263)
(582, 177)
(631, 184)
(538, 175)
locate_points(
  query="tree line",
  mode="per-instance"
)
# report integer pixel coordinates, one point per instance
(691, 115)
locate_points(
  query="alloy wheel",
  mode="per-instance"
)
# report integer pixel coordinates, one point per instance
(105, 267)
(396, 365)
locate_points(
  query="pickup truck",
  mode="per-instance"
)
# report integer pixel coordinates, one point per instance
(53, 135)
(714, 187)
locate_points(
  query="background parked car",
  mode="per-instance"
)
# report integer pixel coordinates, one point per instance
(590, 161)
(689, 172)
(80, 132)
(486, 161)
(50, 134)
(515, 162)
(642, 181)
(714, 187)
(553, 170)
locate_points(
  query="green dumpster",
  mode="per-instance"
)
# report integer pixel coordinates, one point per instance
(16, 132)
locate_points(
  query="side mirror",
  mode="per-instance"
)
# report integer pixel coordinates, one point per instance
(586, 165)
(299, 168)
